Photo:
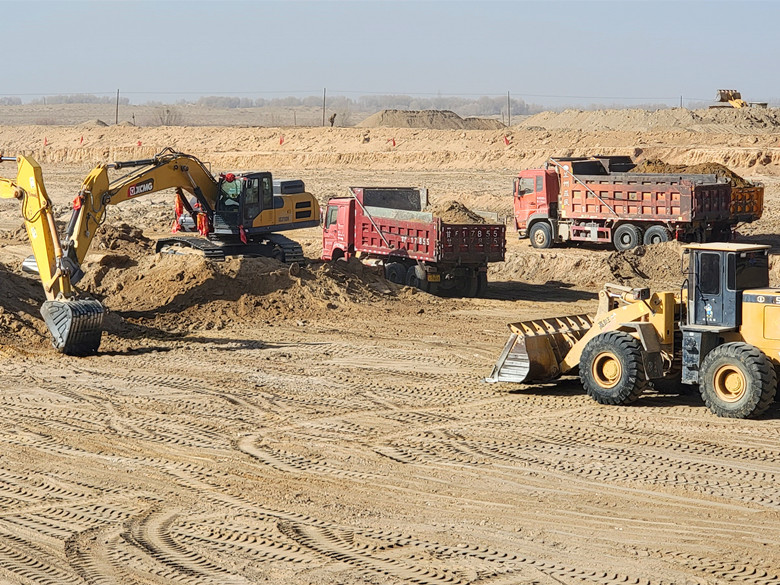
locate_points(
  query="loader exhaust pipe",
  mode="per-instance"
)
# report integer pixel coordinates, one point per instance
(76, 326)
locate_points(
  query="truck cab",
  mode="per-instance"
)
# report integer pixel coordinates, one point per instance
(338, 229)
(535, 201)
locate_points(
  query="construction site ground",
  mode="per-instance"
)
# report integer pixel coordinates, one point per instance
(245, 423)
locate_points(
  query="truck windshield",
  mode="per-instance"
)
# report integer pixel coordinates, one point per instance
(748, 270)
(525, 185)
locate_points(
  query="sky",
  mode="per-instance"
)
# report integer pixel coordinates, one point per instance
(544, 52)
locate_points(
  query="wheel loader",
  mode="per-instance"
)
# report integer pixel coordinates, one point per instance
(720, 331)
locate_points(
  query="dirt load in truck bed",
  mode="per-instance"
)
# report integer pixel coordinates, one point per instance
(710, 168)
(452, 211)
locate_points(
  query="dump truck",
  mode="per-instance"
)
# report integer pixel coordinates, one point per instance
(598, 200)
(387, 226)
(720, 332)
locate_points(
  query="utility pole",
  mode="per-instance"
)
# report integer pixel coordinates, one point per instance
(323, 106)
(508, 110)
(116, 120)
(681, 101)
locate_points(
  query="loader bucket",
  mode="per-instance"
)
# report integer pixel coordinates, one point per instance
(76, 325)
(536, 349)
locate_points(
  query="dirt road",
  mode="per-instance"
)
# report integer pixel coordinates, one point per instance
(332, 428)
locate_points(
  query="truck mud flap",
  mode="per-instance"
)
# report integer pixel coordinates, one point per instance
(76, 326)
(535, 349)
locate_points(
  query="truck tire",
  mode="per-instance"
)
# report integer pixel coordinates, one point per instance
(656, 234)
(395, 272)
(737, 380)
(611, 368)
(471, 286)
(411, 277)
(626, 237)
(540, 235)
(482, 284)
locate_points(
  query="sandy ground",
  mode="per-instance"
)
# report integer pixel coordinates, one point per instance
(245, 425)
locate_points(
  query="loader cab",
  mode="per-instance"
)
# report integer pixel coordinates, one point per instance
(718, 274)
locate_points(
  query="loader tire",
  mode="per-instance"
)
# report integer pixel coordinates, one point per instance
(737, 380)
(611, 368)
(626, 237)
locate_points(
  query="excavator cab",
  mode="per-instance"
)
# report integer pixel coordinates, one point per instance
(242, 197)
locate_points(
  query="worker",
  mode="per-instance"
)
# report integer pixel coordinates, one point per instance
(332, 119)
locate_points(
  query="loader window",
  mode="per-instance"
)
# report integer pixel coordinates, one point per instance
(709, 273)
(748, 270)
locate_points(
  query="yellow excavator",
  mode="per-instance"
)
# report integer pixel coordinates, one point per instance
(721, 331)
(235, 214)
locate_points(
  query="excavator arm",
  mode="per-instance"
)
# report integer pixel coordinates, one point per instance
(75, 324)
(168, 169)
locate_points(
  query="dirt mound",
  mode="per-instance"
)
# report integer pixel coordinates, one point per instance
(92, 123)
(183, 292)
(454, 212)
(20, 319)
(433, 119)
(130, 240)
(657, 266)
(655, 165)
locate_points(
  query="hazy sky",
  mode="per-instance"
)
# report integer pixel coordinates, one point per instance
(543, 52)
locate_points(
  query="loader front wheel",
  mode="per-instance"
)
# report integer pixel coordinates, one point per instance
(737, 380)
(611, 368)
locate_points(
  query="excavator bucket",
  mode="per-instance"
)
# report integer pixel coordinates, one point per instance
(536, 349)
(76, 325)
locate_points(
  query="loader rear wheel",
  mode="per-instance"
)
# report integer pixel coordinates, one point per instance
(540, 235)
(626, 237)
(737, 380)
(611, 368)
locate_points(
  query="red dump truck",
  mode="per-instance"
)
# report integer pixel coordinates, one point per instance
(598, 199)
(386, 225)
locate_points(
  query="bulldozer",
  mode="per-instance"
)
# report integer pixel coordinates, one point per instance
(720, 331)
(234, 213)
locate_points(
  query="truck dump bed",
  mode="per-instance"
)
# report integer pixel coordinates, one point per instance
(644, 197)
(406, 232)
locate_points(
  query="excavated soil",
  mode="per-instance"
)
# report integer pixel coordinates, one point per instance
(434, 119)
(717, 169)
(455, 212)
(251, 422)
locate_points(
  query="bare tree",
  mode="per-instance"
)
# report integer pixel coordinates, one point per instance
(168, 116)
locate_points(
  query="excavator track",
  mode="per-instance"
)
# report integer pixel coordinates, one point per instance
(275, 246)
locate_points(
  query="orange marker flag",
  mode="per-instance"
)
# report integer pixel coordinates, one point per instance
(391, 140)
(82, 140)
(139, 143)
(281, 139)
(506, 140)
(45, 141)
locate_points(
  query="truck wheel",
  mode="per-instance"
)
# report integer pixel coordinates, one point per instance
(411, 277)
(611, 368)
(471, 286)
(737, 380)
(626, 237)
(482, 284)
(656, 234)
(540, 235)
(395, 272)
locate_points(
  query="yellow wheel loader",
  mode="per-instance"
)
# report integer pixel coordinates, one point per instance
(721, 331)
(234, 213)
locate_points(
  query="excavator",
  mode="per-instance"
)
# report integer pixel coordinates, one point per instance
(234, 213)
(720, 331)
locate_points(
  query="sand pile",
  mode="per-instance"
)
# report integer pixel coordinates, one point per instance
(181, 292)
(432, 119)
(655, 266)
(452, 211)
(20, 318)
(725, 120)
(655, 165)
(130, 240)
